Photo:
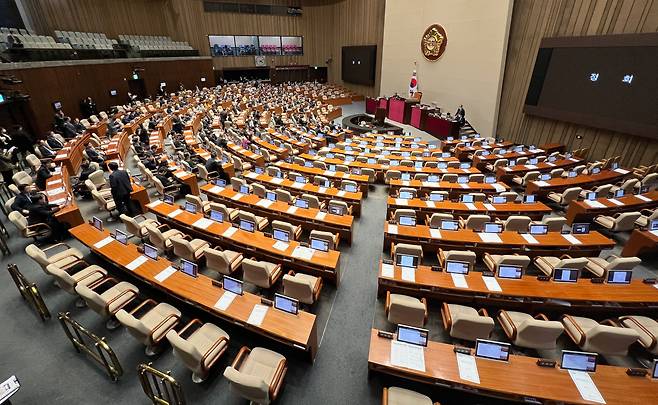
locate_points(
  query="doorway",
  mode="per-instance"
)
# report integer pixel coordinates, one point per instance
(138, 88)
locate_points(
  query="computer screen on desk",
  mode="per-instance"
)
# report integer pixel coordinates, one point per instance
(620, 276)
(545, 177)
(300, 179)
(220, 182)
(579, 361)
(436, 197)
(467, 198)
(189, 268)
(405, 176)
(319, 244)
(403, 260)
(493, 227)
(412, 335)
(120, 236)
(336, 209)
(244, 189)
(653, 226)
(407, 221)
(448, 225)
(247, 225)
(350, 188)
(529, 199)
(233, 285)
(489, 179)
(301, 203)
(168, 198)
(565, 275)
(190, 207)
(510, 271)
(98, 223)
(580, 229)
(406, 195)
(270, 195)
(442, 165)
(216, 216)
(462, 180)
(150, 251)
(591, 196)
(538, 229)
(281, 235)
(259, 170)
(457, 267)
(286, 304)
(492, 350)
(654, 370)
(497, 199)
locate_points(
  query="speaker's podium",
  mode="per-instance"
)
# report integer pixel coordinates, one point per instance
(380, 116)
(399, 109)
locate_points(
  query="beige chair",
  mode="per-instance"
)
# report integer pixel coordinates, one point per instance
(257, 375)
(302, 287)
(474, 222)
(320, 180)
(224, 262)
(466, 323)
(200, 350)
(138, 229)
(628, 186)
(319, 164)
(510, 196)
(547, 264)
(605, 338)
(103, 203)
(65, 259)
(33, 162)
(284, 195)
(341, 205)
(333, 239)
(260, 222)
(401, 396)
(22, 177)
(517, 223)
(313, 201)
(105, 192)
(345, 183)
(476, 178)
(600, 266)
(109, 301)
(524, 330)
(410, 190)
(444, 194)
(260, 273)
(566, 196)
(202, 206)
(187, 248)
(402, 212)
(259, 190)
(406, 249)
(403, 309)
(392, 175)
(527, 178)
(162, 240)
(229, 213)
(151, 328)
(646, 327)
(294, 232)
(236, 183)
(370, 173)
(555, 224)
(33, 231)
(601, 191)
(435, 220)
(467, 256)
(449, 178)
(622, 222)
(67, 281)
(647, 216)
(204, 174)
(493, 262)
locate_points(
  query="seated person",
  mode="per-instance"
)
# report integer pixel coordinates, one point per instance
(93, 155)
(42, 212)
(79, 187)
(53, 142)
(46, 151)
(23, 199)
(43, 174)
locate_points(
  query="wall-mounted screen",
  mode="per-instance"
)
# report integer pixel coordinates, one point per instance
(222, 45)
(269, 45)
(358, 64)
(607, 82)
(292, 45)
(246, 45)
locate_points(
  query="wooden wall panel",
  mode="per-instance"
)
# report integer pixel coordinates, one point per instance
(533, 20)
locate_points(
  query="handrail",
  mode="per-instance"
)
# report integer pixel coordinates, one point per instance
(29, 292)
(160, 387)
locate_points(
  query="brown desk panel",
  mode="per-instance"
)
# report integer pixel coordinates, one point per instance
(361, 180)
(584, 181)
(582, 211)
(506, 174)
(454, 189)
(534, 210)
(640, 242)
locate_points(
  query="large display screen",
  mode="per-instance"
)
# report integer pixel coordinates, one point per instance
(606, 82)
(358, 64)
(222, 45)
(246, 45)
(250, 45)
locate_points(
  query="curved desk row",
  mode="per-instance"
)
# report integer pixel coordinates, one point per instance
(534, 210)
(584, 181)
(585, 211)
(506, 174)
(481, 161)
(455, 189)
(361, 180)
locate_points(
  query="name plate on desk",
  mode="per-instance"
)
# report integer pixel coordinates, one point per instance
(50, 183)
(572, 239)
(621, 171)
(280, 245)
(277, 180)
(165, 274)
(297, 185)
(251, 175)
(470, 206)
(136, 263)
(225, 300)
(103, 242)
(492, 284)
(202, 223)
(498, 187)
(341, 193)
(430, 204)
(174, 213)
(400, 201)
(264, 203)
(322, 190)
(489, 207)
(643, 198)
(435, 233)
(463, 185)
(154, 204)
(541, 183)
(392, 229)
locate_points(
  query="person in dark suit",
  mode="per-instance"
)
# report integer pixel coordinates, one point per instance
(43, 174)
(69, 129)
(23, 200)
(121, 189)
(93, 155)
(45, 150)
(79, 187)
(53, 142)
(42, 212)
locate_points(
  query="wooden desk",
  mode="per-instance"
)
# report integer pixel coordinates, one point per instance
(246, 154)
(388, 140)
(317, 140)
(205, 155)
(323, 264)
(582, 211)
(361, 180)
(551, 244)
(526, 294)
(454, 189)
(58, 191)
(185, 177)
(517, 379)
(481, 162)
(535, 210)
(298, 331)
(281, 153)
(307, 218)
(584, 181)
(299, 146)
(640, 242)
(506, 174)
(464, 152)
(392, 155)
(71, 154)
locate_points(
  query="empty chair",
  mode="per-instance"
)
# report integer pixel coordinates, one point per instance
(555, 224)
(22, 177)
(435, 220)
(259, 190)
(402, 212)
(151, 328)
(320, 181)
(340, 205)
(260, 273)
(332, 239)
(517, 223)
(105, 192)
(628, 186)
(466, 323)
(273, 171)
(565, 197)
(646, 217)
(67, 280)
(421, 176)
(222, 261)
(527, 178)
(302, 287)
(33, 231)
(646, 327)
(402, 396)
(406, 249)
(345, 183)
(257, 375)
(493, 262)
(449, 178)
(524, 330)
(200, 350)
(138, 229)
(476, 178)
(162, 240)
(605, 338)
(444, 196)
(601, 191)
(64, 260)
(370, 173)
(392, 175)
(600, 266)
(313, 201)
(229, 213)
(412, 191)
(467, 256)
(283, 195)
(294, 232)
(556, 173)
(403, 309)
(202, 205)
(480, 197)
(260, 222)
(319, 164)
(187, 248)
(649, 181)
(622, 222)
(106, 302)
(104, 204)
(236, 183)
(474, 222)
(547, 264)
(510, 196)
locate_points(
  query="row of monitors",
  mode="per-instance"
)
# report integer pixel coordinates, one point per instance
(303, 180)
(500, 351)
(250, 45)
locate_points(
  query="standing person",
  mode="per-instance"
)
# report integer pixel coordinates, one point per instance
(6, 166)
(121, 189)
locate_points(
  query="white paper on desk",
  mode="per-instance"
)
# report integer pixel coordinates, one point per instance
(174, 213)
(392, 229)
(550, 164)
(489, 237)
(136, 263)
(264, 203)
(430, 204)
(55, 191)
(435, 233)
(297, 185)
(498, 187)
(459, 280)
(529, 238)
(466, 170)
(237, 196)
(405, 182)
(329, 173)
(202, 223)
(468, 369)
(643, 198)
(615, 201)
(61, 156)
(463, 185)
(322, 190)
(400, 201)
(320, 215)
(229, 232)
(654, 233)
(277, 180)
(291, 210)
(165, 274)
(586, 386)
(252, 175)
(280, 245)
(492, 284)
(572, 239)
(58, 170)
(489, 207)
(257, 314)
(341, 193)
(216, 189)
(507, 169)
(302, 252)
(225, 300)
(154, 204)
(594, 204)
(408, 274)
(407, 355)
(59, 201)
(51, 182)
(541, 183)
(103, 242)
(470, 206)
(621, 171)
(532, 167)
(387, 270)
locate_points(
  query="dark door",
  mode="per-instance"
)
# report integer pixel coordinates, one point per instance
(138, 88)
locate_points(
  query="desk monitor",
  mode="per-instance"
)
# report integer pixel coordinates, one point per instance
(529, 199)
(407, 220)
(394, 163)
(545, 177)
(580, 229)
(220, 182)
(286, 304)
(326, 184)
(406, 195)
(448, 225)
(579, 361)
(533, 161)
(412, 335)
(498, 199)
(121, 236)
(405, 176)
(565, 275)
(190, 207)
(493, 227)
(301, 203)
(270, 195)
(503, 152)
(372, 161)
(489, 179)
(465, 165)
(350, 188)
(572, 174)
(467, 144)
(356, 171)
(591, 196)
(510, 271)
(150, 251)
(492, 350)
(336, 209)
(433, 178)
(436, 197)
(445, 154)
(552, 159)
(462, 180)
(418, 165)
(467, 198)
(330, 155)
(512, 162)
(217, 216)
(168, 199)
(620, 276)
(319, 244)
(97, 222)
(653, 226)
(619, 193)
(485, 153)
(457, 267)
(233, 285)
(404, 260)
(279, 234)
(654, 369)
(442, 165)
(596, 170)
(300, 179)
(189, 268)
(259, 170)
(450, 138)
(307, 163)
(538, 229)
(244, 189)
(614, 165)
(347, 147)
(247, 225)
(332, 168)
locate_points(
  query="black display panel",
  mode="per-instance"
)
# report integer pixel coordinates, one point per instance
(358, 64)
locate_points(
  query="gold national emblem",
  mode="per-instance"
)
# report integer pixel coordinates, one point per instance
(434, 42)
